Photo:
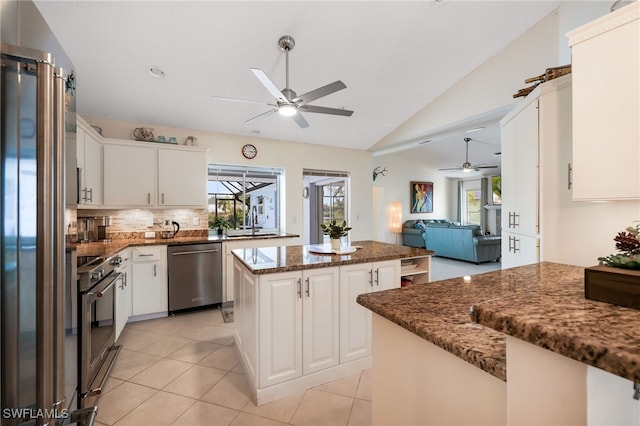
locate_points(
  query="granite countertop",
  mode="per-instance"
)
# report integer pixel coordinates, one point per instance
(115, 245)
(439, 313)
(268, 260)
(543, 304)
(552, 312)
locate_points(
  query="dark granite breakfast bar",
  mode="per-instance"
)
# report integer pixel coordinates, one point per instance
(508, 320)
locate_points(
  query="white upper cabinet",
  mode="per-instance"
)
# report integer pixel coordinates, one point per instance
(182, 178)
(143, 174)
(129, 175)
(89, 163)
(606, 112)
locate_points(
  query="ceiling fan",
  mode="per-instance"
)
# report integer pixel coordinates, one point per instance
(467, 166)
(287, 102)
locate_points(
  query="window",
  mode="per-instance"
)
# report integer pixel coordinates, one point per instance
(474, 206)
(245, 197)
(496, 190)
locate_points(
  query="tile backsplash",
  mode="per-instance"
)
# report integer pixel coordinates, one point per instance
(141, 220)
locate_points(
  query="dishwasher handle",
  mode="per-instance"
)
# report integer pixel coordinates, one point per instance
(183, 253)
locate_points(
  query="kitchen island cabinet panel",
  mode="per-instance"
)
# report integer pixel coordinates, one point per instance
(355, 320)
(320, 319)
(280, 327)
(302, 304)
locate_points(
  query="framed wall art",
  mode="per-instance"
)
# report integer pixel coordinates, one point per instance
(421, 197)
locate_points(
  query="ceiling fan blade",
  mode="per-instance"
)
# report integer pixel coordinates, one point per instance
(261, 115)
(246, 101)
(453, 168)
(298, 118)
(268, 84)
(485, 167)
(320, 92)
(325, 110)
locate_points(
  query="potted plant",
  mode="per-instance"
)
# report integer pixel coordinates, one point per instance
(220, 224)
(628, 244)
(335, 232)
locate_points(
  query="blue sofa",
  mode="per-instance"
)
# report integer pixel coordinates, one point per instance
(463, 242)
(413, 229)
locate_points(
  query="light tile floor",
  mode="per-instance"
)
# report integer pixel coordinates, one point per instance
(184, 370)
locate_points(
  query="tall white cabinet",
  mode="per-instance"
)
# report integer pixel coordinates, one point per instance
(536, 157)
(606, 106)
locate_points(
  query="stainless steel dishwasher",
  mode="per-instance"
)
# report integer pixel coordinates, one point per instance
(195, 275)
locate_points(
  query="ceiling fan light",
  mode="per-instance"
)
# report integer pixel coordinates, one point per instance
(287, 110)
(466, 170)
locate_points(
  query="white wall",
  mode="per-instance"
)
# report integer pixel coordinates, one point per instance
(292, 157)
(395, 186)
(492, 85)
(488, 88)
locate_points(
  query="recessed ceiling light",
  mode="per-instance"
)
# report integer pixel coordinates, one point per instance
(156, 72)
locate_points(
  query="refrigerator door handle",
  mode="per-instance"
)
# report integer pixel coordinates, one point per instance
(45, 241)
(59, 239)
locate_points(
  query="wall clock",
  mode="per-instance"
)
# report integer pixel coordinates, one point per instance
(249, 151)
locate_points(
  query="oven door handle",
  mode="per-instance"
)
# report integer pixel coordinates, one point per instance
(101, 293)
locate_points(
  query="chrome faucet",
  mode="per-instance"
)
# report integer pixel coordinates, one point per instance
(254, 219)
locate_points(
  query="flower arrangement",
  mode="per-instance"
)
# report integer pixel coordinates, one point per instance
(628, 243)
(335, 231)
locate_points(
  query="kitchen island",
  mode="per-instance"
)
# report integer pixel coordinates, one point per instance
(297, 321)
(523, 357)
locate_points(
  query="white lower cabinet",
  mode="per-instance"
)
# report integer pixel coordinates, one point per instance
(123, 292)
(298, 324)
(246, 316)
(355, 320)
(299, 329)
(150, 285)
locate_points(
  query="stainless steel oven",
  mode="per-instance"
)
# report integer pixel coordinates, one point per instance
(97, 282)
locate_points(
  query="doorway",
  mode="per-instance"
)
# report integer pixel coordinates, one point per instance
(325, 197)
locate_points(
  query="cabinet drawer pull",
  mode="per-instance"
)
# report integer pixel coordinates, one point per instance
(307, 286)
(377, 276)
(148, 198)
(371, 277)
(163, 198)
(299, 288)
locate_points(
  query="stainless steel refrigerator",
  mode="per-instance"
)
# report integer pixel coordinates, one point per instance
(38, 184)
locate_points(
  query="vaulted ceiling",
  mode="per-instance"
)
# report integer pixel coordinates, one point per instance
(395, 57)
